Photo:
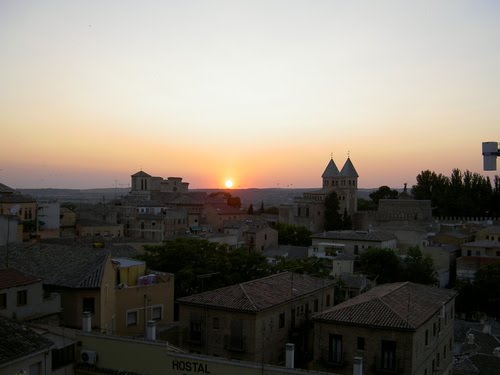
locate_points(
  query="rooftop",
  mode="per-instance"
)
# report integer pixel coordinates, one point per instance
(10, 278)
(375, 236)
(483, 244)
(261, 294)
(19, 341)
(399, 305)
(331, 170)
(66, 266)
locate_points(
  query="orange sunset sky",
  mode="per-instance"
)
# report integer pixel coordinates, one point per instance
(260, 92)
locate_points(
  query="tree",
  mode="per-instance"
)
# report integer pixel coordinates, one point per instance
(310, 266)
(190, 258)
(381, 265)
(333, 220)
(346, 220)
(461, 194)
(418, 268)
(295, 235)
(261, 210)
(383, 192)
(250, 209)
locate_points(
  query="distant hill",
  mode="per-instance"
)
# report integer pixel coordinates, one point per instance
(270, 196)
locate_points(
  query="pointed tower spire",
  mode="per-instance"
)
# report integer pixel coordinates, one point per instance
(331, 170)
(348, 169)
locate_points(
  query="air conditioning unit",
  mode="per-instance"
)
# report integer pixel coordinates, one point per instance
(88, 356)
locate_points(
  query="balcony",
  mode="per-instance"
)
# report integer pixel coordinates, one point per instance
(234, 344)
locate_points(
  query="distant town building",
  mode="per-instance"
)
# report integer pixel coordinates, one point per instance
(309, 210)
(24, 207)
(352, 242)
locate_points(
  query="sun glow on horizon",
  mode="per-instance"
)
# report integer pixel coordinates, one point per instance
(228, 184)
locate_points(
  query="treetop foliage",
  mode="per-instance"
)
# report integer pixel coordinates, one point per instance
(334, 220)
(383, 192)
(460, 195)
(385, 266)
(295, 235)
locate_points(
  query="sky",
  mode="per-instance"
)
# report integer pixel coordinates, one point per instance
(260, 92)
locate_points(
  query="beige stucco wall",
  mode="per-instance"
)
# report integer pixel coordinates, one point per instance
(133, 299)
(155, 358)
(264, 340)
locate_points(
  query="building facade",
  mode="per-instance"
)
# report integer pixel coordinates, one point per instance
(401, 328)
(253, 321)
(309, 210)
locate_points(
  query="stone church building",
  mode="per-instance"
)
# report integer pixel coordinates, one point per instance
(309, 210)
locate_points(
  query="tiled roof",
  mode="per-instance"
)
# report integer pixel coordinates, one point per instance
(375, 236)
(399, 305)
(482, 343)
(19, 341)
(6, 189)
(348, 169)
(331, 170)
(483, 244)
(10, 278)
(141, 174)
(95, 223)
(486, 364)
(294, 252)
(66, 266)
(492, 229)
(225, 209)
(16, 198)
(260, 294)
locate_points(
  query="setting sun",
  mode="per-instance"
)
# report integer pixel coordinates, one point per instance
(228, 184)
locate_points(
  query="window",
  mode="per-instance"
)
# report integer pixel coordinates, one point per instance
(315, 305)
(156, 313)
(22, 297)
(469, 253)
(434, 329)
(335, 349)
(195, 330)
(216, 323)
(356, 249)
(282, 320)
(3, 301)
(426, 337)
(478, 252)
(361, 343)
(327, 300)
(236, 336)
(88, 304)
(444, 352)
(388, 355)
(131, 318)
(498, 253)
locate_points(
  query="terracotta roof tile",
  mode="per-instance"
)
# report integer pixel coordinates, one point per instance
(67, 266)
(399, 305)
(260, 294)
(10, 278)
(18, 341)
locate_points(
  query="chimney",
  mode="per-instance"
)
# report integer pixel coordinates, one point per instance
(87, 321)
(496, 351)
(470, 339)
(357, 366)
(487, 327)
(290, 355)
(151, 330)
